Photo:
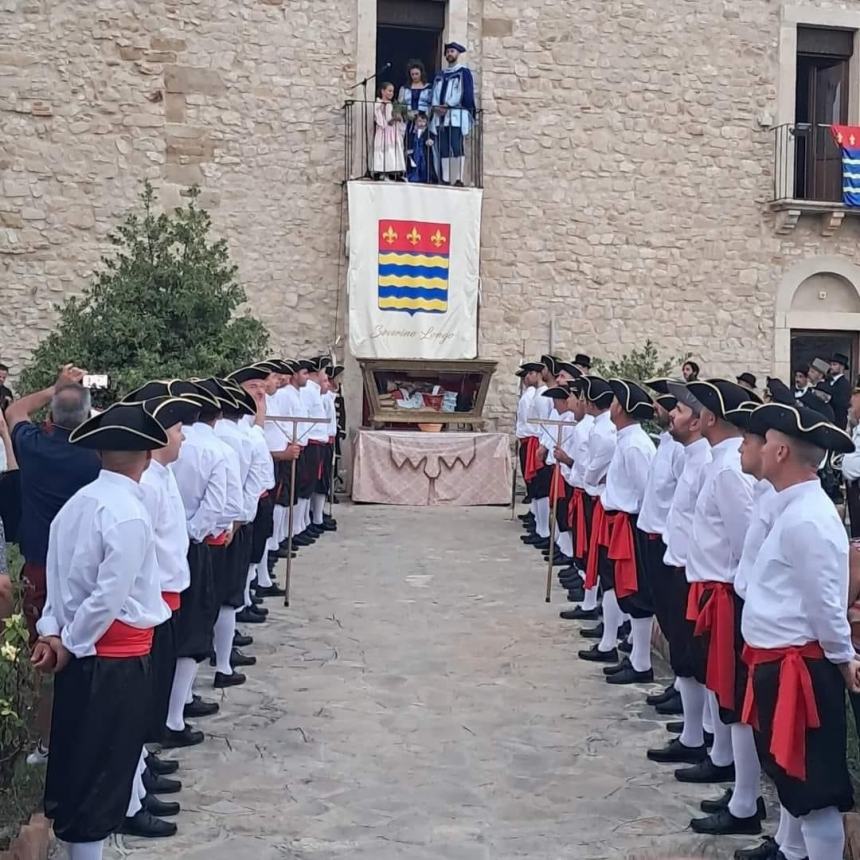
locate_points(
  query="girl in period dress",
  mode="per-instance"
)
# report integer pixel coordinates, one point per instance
(389, 158)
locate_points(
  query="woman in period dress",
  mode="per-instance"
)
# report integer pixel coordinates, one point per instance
(389, 157)
(417, 95)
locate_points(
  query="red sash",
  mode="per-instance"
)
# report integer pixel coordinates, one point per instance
(122, 640)
(694, 599)
(557, 486)
(717, 617)
(216, 540)
(532, 466)
(173, 599)
(622, 552)
(599, 537)
(576, 520)
(796, 710)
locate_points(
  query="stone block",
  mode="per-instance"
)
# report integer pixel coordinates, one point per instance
(40, 108)
(187, 79)
(165, 43)
(183, 174)
(11, 219)
(143, 120)
(159, 56)
(187, 151)
(174, 107)
(497, 27)
(8, 57)
(127, 52)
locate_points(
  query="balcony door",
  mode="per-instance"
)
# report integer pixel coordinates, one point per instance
(823, 62)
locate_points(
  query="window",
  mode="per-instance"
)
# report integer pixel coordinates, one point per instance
(408, 30)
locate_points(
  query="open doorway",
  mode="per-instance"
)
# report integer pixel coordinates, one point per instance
(408, 30)
(807, 345)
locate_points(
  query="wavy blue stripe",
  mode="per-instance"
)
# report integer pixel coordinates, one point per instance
(412, 293)
(410, 311)
(413, 271)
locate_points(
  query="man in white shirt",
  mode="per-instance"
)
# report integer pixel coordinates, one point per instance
(529, 374)
(851, 467)
(103, 604)
(798, 641)
(624, 591)
(319, 436)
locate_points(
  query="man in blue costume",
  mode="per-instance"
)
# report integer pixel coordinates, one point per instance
(452, 115)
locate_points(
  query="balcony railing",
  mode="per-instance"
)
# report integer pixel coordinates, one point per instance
(384, 141)
(807, 166)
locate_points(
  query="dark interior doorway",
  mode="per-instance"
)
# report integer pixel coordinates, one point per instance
(806, 345)
(408, 30)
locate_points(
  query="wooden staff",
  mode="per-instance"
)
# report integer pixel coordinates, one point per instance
(514, 479)
(331, 478)
(559, 425)
(295, 421)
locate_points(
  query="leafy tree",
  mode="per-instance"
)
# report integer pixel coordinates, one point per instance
(640, 365)
(163, 305)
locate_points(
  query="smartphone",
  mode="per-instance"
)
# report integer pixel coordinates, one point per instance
(95, 380)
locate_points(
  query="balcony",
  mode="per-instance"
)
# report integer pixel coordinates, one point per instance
(380, 143)
(807, 177)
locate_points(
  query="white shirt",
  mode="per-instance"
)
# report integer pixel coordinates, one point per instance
(551, 434)
(289, 402)
(524, 408)
(540, 409)
(275, 432)
(164, 503)
(201, 475)
(230, 433)
(627, 475)
(101, 565)
(799, 593)
(601, 447)
(579, 452)
(679, 521)
(666, 469)
(330, 411)
(262, 468)
(760, 525)
(851, 462)
(234, 506)
(311, 396)
(722, 516)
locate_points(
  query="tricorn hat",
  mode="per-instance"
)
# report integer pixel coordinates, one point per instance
(740, 417)
(155, 388)
(682, 394)
(667, 401)
(193, 391)
(530, 366)
(720, 395)
(633, 398)
(168, 411)
(303, 364)
(550, 362)
(121, 427)
(800, 423)
(460, 49)
(245, 403)
(249, 373)
(779, 391)
(218, 390)
(568, 368)
(598, 391)
(336, 370)
(559, 392)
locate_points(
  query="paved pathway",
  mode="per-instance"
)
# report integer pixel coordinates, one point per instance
(419, 700)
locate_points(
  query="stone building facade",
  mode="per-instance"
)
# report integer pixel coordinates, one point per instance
(629, 164)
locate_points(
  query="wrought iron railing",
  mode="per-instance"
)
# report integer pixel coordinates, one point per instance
(807, 164)
(384, 141)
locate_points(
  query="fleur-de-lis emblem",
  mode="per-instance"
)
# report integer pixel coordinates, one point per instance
(437, 239)
(414, 237)
(389, 235)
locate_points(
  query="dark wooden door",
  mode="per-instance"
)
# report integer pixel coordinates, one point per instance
(828, 98)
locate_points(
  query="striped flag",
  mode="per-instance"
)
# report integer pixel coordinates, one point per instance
(848, 139)
(413, 266)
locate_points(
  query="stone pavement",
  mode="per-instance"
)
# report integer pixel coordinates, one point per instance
(419, 700)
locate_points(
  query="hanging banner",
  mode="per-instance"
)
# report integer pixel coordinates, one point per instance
(414, 252)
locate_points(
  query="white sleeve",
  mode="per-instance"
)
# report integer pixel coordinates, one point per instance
(599, 458)
(734, 496)
(204, 522)
(234, 506)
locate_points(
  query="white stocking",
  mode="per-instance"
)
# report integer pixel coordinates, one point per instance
(693, 701)
(180, 693)
(542, 517)
(590, 601)
(246, 597)
(263, 577)
(747, 772)
(640, 632)
(789, 836)
(85, 850)
(823, 834)
(225, 627)
(721, 751)
(611, 621)
(565, 543)
(317, 508)
(137, 789)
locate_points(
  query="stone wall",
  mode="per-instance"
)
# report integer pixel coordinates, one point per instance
(627, 164)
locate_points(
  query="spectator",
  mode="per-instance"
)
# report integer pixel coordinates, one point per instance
(418, 153)
(453, 114)
(818, 369)
(801, 380)
(51, 471)
(389, 160)
(840, 388)
(7, 455)
(417, 95)
(690, 371)
(6, 395)
(851, 469)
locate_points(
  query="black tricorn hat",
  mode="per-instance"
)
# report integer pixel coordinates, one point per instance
(121, 427)
(740, 417)
(582, 360)
(568, 368)
(779, 391)
(800, 423)
(530, 366)
(598, 391)
(720, 395)
(748, 378)
(840, 358)
(193, 391)
(245, 403)
(667, 401)
(661, 384)
(818, 400)
(559, 392)
(321, 361)
(155, 388)
(303, 364)
(218, 390)
(168, 411)
(634, 399)
(336, 370)
(550, 362)
(681, 392)
(248, 374)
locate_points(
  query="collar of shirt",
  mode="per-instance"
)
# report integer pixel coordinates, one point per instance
(834, 378)
(697, 451)
(726, 449)
(118, 480)
(628, 431)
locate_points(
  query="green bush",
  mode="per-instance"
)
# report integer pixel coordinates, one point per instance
(163, 305)
(640, 365)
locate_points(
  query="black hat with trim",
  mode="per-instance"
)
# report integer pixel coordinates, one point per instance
(681, 392)
(559, 392)
(570, 369)
(550, 362)
(245, 403)
(740, 417)
(155, 388)
(531, 366)
(720, 395)
(121, 427)
(779, 392)
(633, 398)
(248, 374)
(168, 411)
(336, 370)
(598, 391)
(303, 364)
(192, 391)
(798, 422)
(661, 386)
(582, 360)
(320, 361)
(218, 390)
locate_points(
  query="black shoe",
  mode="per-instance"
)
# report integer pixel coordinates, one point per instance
(721, 803)
(579, 614)
(671, 707)
(595, 655)
(570, 580)
(237, 658)
(223, 681)
(659, 698)
(624, 630)
(284, 553)
(592, 632)
(767, 849)
(158, 807)
(630, 676)
(525, 518)
(626, 647)
(242, 640)
(558, 560)
(530, 538)
(543, 543)
(676, 753)
(273, 590)
(258, 610)
(160, 784)
(188, 737)
(576, 595)
(676, 727)
(161, 766)
(145, 824)
(329, 526)
(256, 600)
(723, 823)
(300, 540)
(612, 670)
(706, 771)
(200, 708)
(248, 617)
